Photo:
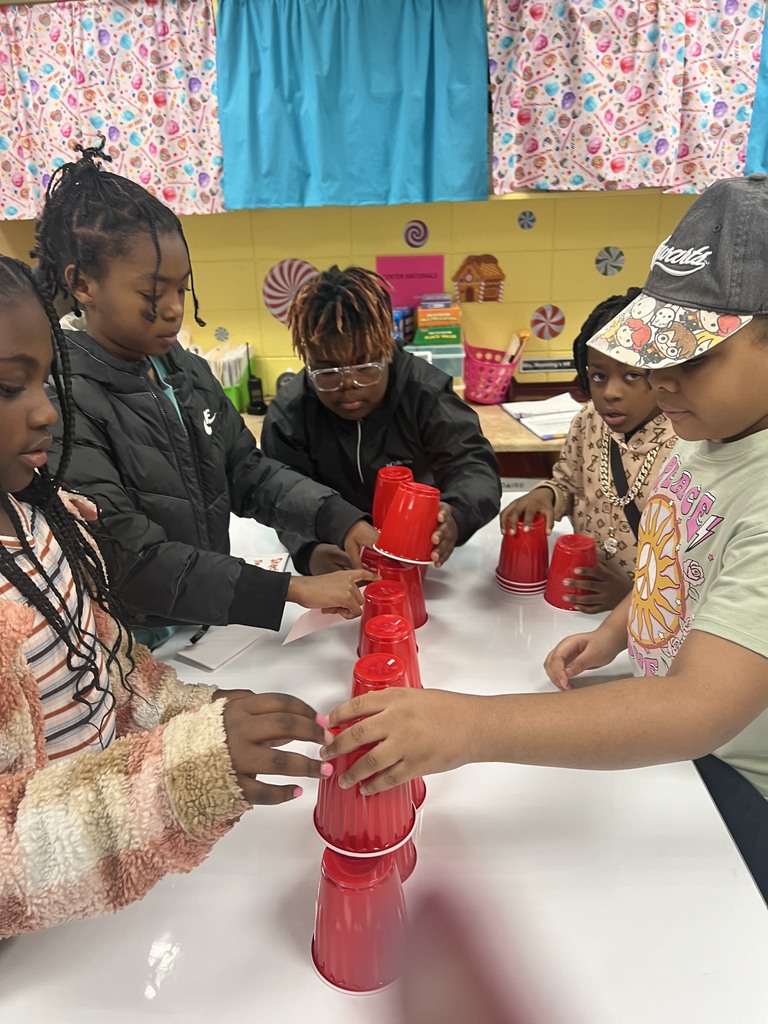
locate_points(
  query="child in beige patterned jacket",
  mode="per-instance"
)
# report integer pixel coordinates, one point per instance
(112, 772)
(620, 427)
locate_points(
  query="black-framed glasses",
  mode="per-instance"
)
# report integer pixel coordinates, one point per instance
(364, 375)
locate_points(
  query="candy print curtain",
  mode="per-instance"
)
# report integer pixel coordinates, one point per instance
(352, 102)
(605, 95)
(140, 72)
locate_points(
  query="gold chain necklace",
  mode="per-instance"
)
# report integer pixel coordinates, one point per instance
(611, 545)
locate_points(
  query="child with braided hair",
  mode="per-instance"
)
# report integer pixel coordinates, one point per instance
(158, 445)
(112, 772)
(362, 404)
(614, 450)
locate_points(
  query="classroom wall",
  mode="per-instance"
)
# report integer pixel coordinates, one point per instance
(552, 262)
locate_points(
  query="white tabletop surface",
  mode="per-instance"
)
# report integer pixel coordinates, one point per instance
(623, 890)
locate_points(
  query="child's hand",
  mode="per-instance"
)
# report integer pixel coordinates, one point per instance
(334, 592)
(414, 732)
(360, 535)
(328, 558)
(607, 587)
(445, 536)
(540, 499)
(254, 725)
(578, 653)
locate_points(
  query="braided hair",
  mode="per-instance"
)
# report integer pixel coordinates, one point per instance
(90, 218)
(597, 319)
(18, 284)
(338, 310)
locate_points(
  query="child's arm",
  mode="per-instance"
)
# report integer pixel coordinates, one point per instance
(713, 691)
(302, 511)
(461, 459)
(93, 832)
(173, 581)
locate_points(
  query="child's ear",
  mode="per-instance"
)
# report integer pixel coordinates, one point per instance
(79, 285)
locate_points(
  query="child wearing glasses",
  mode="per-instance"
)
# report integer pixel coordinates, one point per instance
(361, 404)
(156, 443)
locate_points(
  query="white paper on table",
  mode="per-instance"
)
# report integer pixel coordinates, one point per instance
(276, 562)
(220, 645)
(560, 404)
(310, 622)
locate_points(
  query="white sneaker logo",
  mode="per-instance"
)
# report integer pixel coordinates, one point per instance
(208, 420)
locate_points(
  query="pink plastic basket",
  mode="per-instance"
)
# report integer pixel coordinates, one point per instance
(486, 378)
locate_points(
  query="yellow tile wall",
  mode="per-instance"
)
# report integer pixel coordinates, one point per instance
(551, 263)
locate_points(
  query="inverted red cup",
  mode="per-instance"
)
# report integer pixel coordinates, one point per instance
(411, 576)
(392, 634)
(370, 559)
(377, 672)
(573, 551)
(388, 479)
(357, 825)
(405, 860)
(360, 920)
(411, 520)
(524, 557)
(384, 597)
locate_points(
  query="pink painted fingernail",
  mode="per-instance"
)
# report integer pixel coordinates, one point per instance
(327, 770)
(321, 721)
(297, 791)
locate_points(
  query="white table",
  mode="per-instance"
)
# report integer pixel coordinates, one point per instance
(622, 888)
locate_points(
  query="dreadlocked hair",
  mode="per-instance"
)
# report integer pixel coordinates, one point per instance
(597, 319)
(90, 217)
(341, 315)
(18, 283)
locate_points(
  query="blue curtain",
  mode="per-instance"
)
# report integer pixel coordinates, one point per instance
(757, 143)
(352, 102)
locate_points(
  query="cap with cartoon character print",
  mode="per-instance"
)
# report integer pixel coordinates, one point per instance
(707, 280)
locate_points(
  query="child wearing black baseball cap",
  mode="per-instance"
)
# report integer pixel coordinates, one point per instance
(696, 621)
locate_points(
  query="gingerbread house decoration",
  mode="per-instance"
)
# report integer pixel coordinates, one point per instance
(479, 279)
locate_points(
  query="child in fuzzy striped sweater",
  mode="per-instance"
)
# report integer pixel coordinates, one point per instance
(112, 772)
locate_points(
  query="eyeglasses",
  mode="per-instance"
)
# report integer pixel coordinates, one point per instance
(364, 375)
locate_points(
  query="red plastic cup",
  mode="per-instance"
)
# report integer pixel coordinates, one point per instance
(411, 576)
(524, 558)
(360, 920)
(370, 559)
(388, 479)
(357, 825)
(392, 634)
(418, 792)
(573, 551)
(411, 519)
(405, 860)
(384, 597)
(377, 672)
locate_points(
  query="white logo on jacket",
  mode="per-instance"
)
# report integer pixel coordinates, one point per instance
(208, 420)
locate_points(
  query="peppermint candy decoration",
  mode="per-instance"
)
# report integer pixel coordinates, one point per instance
(415, 233)
(281, 284)
(609, 261)
(526, 220)
(547, 322)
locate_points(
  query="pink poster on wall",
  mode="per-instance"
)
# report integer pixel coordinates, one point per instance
(412, 276)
